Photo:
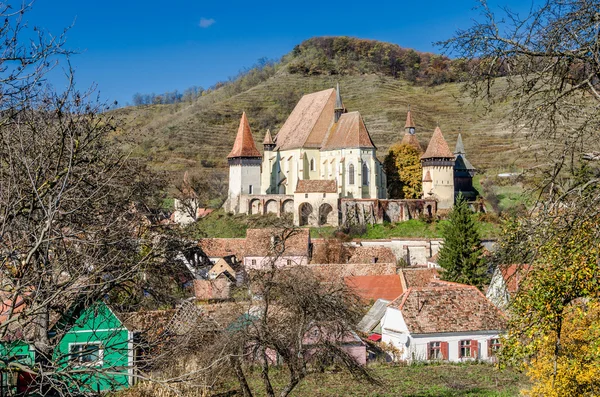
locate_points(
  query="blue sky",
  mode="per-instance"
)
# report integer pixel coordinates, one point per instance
(129, 46)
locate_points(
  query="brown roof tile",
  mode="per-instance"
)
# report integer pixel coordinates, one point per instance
(222, 247)
(513, 275)
(338, 271)
(409, 120)
(450, 308)
(316, 186)
(419, 277)
(349, 132)
(244, 143)
(411, 139)
(259, 242)
(376, 287)
(372, 255)
(438, 147)
(309, 122)
(268, 140)
(427, 177)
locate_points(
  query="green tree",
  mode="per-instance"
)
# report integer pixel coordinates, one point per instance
(404, 172)
(461, 256)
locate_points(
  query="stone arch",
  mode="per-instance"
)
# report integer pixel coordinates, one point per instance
(271, 207)
(287, 207)
(324, 211)
(254, 207)
(429, 211)
(305, 211)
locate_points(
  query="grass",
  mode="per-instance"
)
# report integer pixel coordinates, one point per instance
(445, 380)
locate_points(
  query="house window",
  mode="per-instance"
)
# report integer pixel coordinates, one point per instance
(85, 353)
(305, 195)
(253, 262)
(493, 347)
(435, 351)
(289, 262)
(365, 174)
(312, 164)
(351, 174)
(250, 189)
(468, 348)
(324, 195)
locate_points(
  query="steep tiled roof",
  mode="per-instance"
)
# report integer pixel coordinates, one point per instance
(222, 247)
(438, 147)
(419, 277)
(260, 242)
(309, 122)
(375, 287)
(449, 308)
(334, 272)
(268, 140)
(244, 143)
(411, 139)
(513, 275)
(372, 255)
(427, 177)
(349, 132)
(409, 120)
(316, 186)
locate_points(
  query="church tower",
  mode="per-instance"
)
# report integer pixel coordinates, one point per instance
(270, 167)
(244, 166)
(339, 105)
(438, 171)
(410, 137)
(463, 172)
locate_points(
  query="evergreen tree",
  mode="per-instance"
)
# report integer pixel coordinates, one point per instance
(461, 256)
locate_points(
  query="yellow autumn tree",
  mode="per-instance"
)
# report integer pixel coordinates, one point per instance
(403, 169)
(554, 328)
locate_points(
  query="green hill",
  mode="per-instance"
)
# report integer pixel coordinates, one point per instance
(378, 79)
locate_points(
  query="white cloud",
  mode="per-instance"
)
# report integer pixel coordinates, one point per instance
(206, 22)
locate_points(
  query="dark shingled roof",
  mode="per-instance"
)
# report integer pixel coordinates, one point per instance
(438, 147)
(448, 308)
(316, 186)
(349, 132)
(244, 143)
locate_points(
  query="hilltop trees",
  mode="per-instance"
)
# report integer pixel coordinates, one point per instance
(461, 256)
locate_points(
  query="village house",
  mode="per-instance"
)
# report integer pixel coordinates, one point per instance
(443, 321)
(276, 247)
(505, 283)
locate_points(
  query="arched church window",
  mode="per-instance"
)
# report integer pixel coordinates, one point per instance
(365, 174)
(312, 164)
(351, 174)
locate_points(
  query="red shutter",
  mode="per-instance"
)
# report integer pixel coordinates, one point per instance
(429, 351)
(474, 346)
(444, 349)
(489, 345)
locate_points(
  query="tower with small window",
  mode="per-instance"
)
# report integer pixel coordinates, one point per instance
(438, 171)
(244, 166)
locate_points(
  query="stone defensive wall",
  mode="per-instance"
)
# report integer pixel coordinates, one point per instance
(370, 211)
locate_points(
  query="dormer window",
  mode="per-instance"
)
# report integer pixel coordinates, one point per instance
(312, 164)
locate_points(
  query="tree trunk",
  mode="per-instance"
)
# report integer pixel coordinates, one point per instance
(265, 374)
(239, 373)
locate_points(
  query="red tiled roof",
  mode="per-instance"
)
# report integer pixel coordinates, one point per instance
(513, 275)
(316, 186)
(448, 308)
(372, 255)
(411, 139)
(386, 287)
(338, 271)
(268, 140)
(438, 147)
(419, 277)
(427, 177)
(409, 121)
(222, 247)
(349, 132)
(259, 242)
(309, 122)
(244, 143)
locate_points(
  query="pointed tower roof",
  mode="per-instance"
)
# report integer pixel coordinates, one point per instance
(409, 120)
(244, 143)
(427, 177)
(438, 147)
(268, 140)
(460, 148)
(338, 98)
(411, 139)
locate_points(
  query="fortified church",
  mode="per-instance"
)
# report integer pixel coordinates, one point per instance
(322, 167)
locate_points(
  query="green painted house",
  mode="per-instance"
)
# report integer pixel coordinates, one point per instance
(95, 352)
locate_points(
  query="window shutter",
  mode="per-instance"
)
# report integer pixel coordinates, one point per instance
(489, 345)
(444, 350)
(474, 346)
(429, 351)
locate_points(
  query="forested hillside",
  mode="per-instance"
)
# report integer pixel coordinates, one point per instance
(378, 79)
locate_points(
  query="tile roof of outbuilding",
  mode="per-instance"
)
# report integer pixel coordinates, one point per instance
(375, 287)
(419, 277)
(372, 255)
(448, 308)
(349, 132)
(222, 247)
(244, 145)
(438, 147)
(316, 186)
(260, 242)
